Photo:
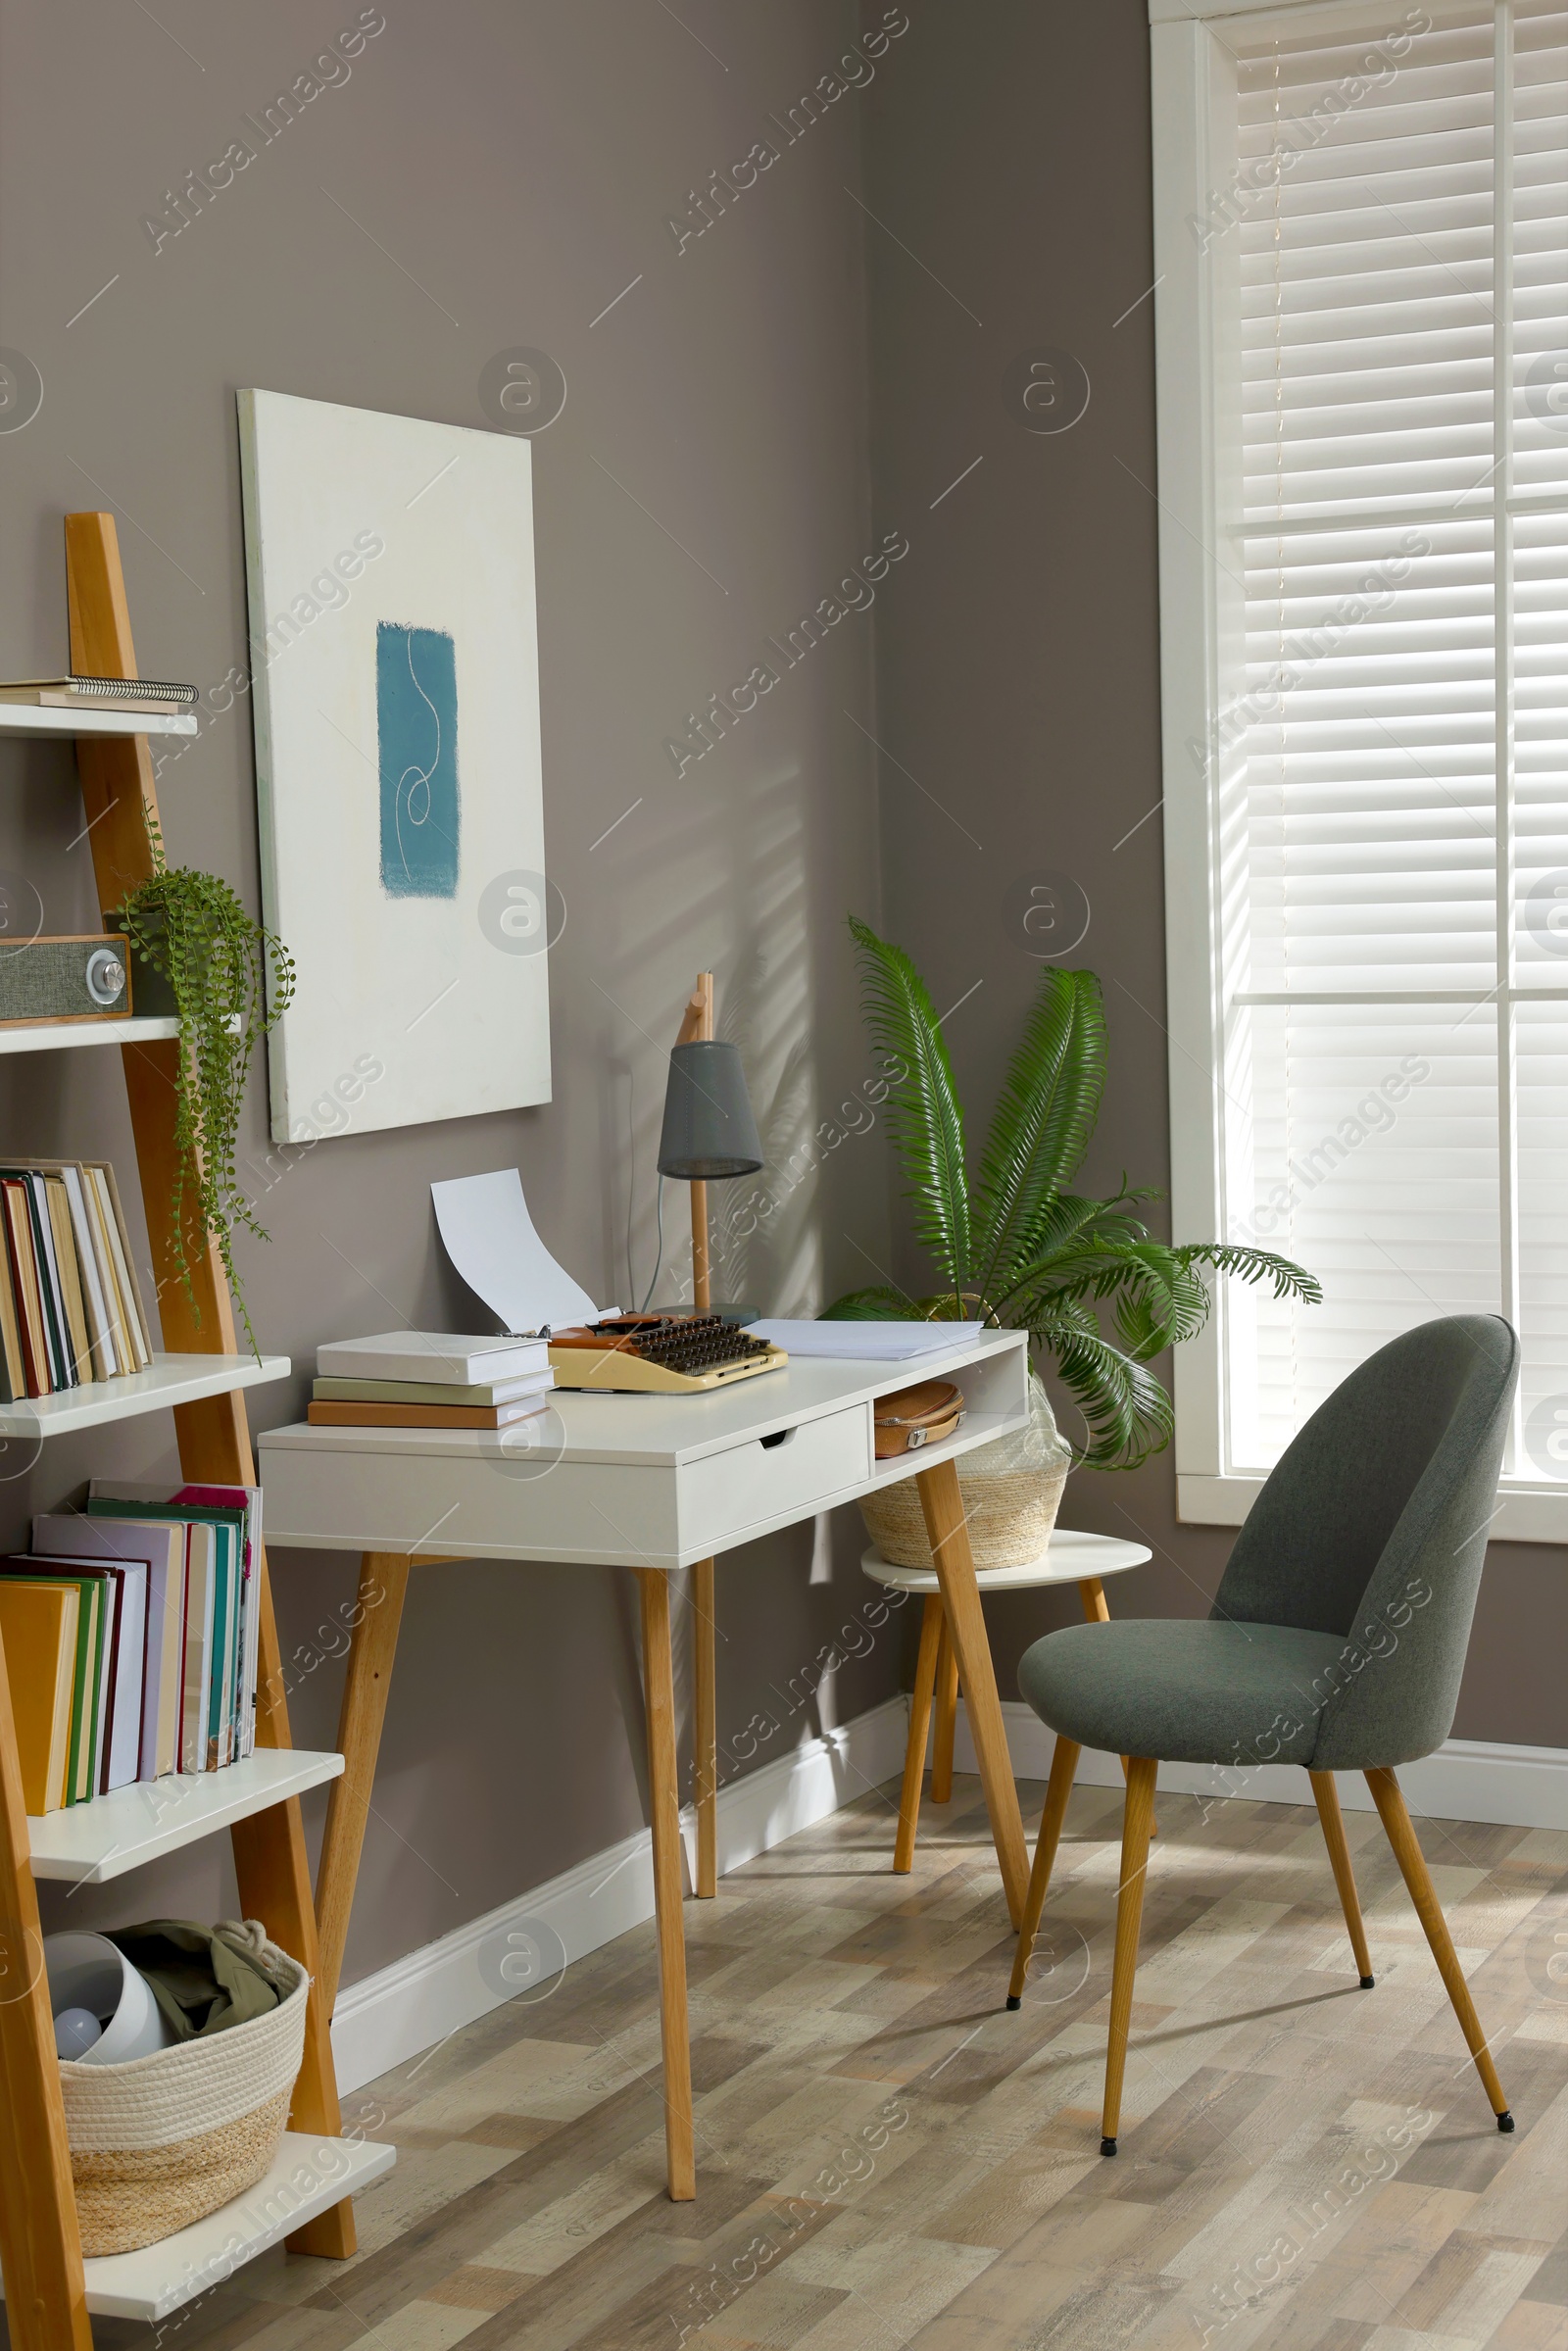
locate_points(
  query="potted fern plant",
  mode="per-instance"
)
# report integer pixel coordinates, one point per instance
(1018, 1248)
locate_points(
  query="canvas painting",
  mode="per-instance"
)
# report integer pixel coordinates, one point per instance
(395, 688)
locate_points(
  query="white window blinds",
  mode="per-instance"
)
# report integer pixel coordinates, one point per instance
(1388, 760)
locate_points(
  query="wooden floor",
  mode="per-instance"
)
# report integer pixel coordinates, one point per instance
(886, 2157)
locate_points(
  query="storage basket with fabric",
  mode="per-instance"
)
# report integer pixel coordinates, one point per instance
(1011, 1491)
(161, 2143)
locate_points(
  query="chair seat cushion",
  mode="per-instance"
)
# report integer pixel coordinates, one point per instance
(1184, 1691)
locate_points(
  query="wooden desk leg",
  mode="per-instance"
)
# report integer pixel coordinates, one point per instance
(40, 2242)
(664, 1803)
(274, 1886)
(704, 1729)
(947, 1708)
(948, 1538)
(1096, 1609)
(384, 1586)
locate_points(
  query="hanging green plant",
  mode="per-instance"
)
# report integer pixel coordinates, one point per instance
(194, 932)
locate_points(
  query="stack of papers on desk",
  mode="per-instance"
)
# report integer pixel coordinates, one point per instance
(866, 1341)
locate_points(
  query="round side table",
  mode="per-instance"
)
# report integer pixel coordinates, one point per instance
(1070, 1558)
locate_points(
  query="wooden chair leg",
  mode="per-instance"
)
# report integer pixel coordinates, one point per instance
(946, 1709)
(1326, 1793)
(704, 1729)
(1096, 1611)
(1396, 1818)
(1064, 1764)
(664, 1804)
(931, 1635)
(1135, 1816)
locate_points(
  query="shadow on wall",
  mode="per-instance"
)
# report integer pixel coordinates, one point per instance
(730, 896)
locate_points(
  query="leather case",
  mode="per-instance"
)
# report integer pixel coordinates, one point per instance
(913, 1418)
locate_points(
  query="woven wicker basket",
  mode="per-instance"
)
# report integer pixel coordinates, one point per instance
(1011, 1491)
(161, 2143)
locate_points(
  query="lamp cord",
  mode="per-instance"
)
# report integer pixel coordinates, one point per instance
(659, 1258)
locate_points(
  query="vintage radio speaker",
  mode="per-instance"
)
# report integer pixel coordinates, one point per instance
(86, 978)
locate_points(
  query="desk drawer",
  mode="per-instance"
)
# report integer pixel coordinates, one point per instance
(771, 1479)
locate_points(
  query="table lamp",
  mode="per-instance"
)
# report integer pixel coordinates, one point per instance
(709, 1134)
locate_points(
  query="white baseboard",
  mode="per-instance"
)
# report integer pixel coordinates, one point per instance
(1466, 1779)
(390, 2017)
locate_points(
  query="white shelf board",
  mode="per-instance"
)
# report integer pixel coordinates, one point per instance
(1069, 1557)
(47, 718)
(90, 1844)
(46, 1035)
(308, 2177)
(168, 1380)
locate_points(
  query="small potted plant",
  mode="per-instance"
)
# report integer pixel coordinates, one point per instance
(214, 961)
(1018, 1249)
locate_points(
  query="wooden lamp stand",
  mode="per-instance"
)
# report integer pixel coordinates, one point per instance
(696, 1028)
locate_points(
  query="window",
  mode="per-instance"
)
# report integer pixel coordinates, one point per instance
(1362, 337)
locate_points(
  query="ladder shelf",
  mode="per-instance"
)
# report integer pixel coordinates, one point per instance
(201, 1376)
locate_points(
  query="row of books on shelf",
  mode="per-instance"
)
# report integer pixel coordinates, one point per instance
(130, 1632)
(430, 1380)
(70, 1306)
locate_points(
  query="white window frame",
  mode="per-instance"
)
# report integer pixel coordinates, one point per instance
(1193, 91)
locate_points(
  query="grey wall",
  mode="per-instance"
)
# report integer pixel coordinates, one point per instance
(512, 167)
(1019, 683)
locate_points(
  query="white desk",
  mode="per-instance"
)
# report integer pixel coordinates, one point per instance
(652, 1483)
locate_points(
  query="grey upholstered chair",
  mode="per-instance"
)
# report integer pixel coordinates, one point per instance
(1337, 1640)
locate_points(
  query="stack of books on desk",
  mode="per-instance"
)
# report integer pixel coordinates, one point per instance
(429, 1380)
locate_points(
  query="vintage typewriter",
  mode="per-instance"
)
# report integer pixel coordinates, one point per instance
(664, 1354)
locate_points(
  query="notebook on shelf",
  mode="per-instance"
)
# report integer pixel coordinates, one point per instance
(224, 1623)
(158, 1551)
(105, 692)
(39, 1626)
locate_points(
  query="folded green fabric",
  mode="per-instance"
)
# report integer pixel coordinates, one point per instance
(204, 1979)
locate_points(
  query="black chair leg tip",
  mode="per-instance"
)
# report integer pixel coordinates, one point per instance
(1014, 2000)
(1505, 2121)
(1367, 1983)
(1107, 2146)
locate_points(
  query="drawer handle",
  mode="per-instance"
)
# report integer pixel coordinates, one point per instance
(779, 1437)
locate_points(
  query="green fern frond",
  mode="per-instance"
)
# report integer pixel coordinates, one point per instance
(1128, 1412)
(1286, 1279)
(924, 1119)
(1042, 1122)
(880, 1304)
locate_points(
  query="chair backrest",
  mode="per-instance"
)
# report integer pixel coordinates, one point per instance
(1374, 1526)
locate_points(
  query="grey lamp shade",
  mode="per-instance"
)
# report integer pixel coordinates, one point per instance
(708, 1128)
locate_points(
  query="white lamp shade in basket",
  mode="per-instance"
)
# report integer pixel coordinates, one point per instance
(165, 2139)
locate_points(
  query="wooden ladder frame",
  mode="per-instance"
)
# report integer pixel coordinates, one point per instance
(40, 2242)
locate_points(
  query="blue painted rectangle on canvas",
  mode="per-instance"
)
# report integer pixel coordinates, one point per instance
(416, 726)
